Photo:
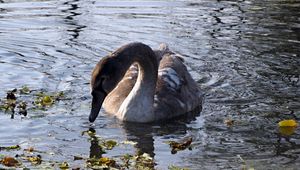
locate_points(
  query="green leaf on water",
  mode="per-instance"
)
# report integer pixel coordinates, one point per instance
(13, 147)
(178, 146)
(8, 106)
(173, 167)
(109, 144)
(34, 160)
(24, 90)
(101, 163)
(91, 132)
(126, 160)
(45, 100)
(144, 162)
(64, 166)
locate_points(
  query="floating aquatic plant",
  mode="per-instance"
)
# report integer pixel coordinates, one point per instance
(13, 147)
(101, 163)
(10, 161)
(178, 146)
(64, 166)
(25, 90)
(173, 167)
(287, 127)
(24, 99)
(34, 160)
(288, 123)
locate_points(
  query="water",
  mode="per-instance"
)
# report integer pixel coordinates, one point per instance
(244, 54)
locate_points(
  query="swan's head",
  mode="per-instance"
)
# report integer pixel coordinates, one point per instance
(105, 78)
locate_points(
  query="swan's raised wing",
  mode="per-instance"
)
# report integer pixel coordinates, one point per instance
(177, 92)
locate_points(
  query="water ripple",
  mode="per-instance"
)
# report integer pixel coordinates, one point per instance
(243, 54)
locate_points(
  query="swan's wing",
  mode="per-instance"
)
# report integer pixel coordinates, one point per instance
(116, 97)
(176, 92)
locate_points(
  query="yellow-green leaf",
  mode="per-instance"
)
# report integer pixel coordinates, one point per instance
(288, 123)
(24, 90)
(64, 166)
(110, 144)
(47, 100)
(107, 161)
(35, 160)
(176, 146)
(287, 130)
(10, 147)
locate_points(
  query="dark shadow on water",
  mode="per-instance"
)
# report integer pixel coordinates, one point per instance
(143, 134)
(96, 150)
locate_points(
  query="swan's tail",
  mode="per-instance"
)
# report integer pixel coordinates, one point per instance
(161, 51)
(163, 47)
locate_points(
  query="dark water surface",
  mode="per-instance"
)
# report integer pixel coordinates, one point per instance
(245, 55)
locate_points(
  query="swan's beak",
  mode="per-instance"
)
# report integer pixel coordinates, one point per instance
(96, 105)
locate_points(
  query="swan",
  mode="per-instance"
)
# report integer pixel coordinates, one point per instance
(137, 84)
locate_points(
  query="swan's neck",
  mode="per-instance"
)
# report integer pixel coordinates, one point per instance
(138, 105)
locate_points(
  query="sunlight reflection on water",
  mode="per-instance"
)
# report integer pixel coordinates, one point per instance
(243, 54)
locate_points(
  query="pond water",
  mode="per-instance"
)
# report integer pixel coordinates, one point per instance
(245, 55)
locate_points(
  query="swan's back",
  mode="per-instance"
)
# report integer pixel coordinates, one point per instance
(176, 92)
